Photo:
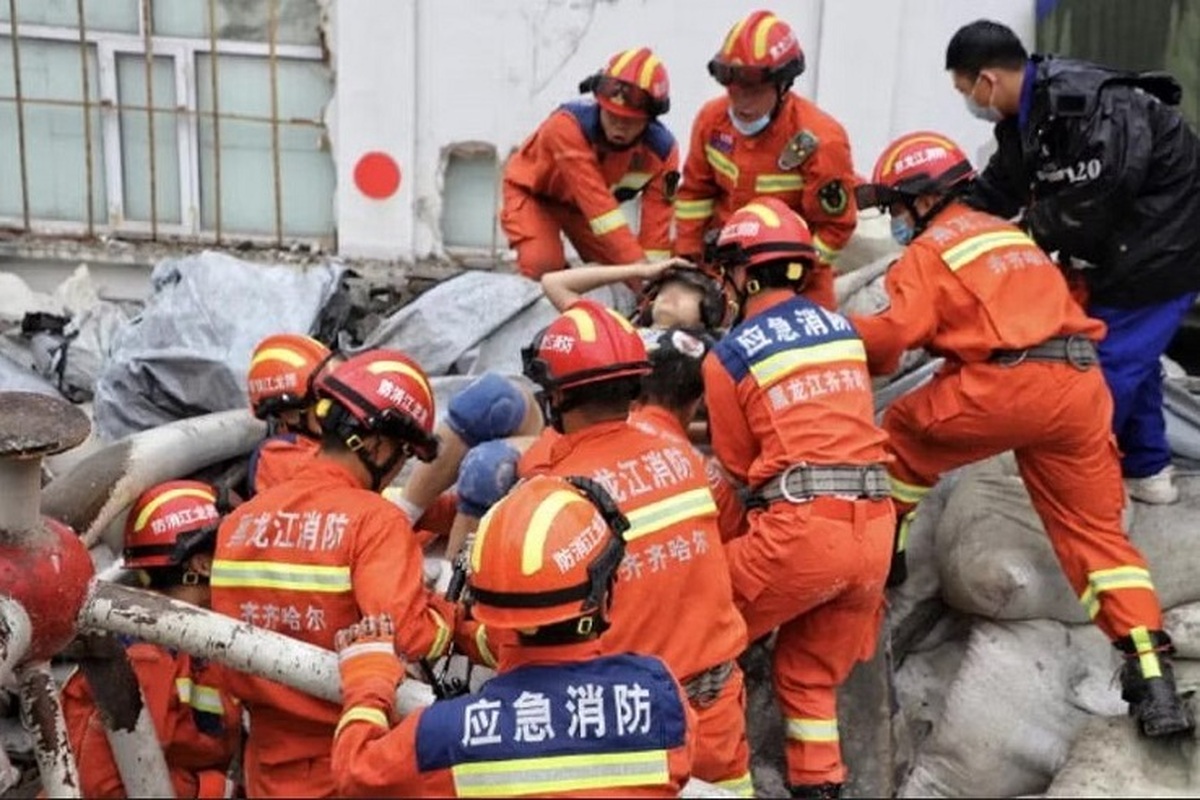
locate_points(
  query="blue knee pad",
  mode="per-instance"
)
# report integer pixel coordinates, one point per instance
(486, 474)
(491, 407)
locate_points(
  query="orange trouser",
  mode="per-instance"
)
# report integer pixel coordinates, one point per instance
(302, 777)
(533, 226)
(1057, 421)
(815, 571)
(722, 752)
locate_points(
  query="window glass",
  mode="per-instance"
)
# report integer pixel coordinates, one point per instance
(100, 15)
(299, 21)
(135, 138)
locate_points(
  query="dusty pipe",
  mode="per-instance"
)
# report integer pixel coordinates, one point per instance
(42, 715)
(16, 633)
(97, 489)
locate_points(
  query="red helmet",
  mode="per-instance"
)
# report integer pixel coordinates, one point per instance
(634, 83)
(764, 231)
(171, 522)
(713, 304)
(588, 343)
(761, 48)
(378, 391)
(281, 370)
(917, 163)
(547, 553)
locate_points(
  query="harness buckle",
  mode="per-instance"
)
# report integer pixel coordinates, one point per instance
(785, 491)
(1079, 358)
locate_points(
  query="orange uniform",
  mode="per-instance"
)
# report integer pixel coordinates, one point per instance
(198, 724)
(789, 387)
(307, 558)
(674, 600)
(565, 179)
(529, 731)
(972, 284)
(278, 458)
(725, 170)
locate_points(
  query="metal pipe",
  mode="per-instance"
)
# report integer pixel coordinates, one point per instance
(20, 486)
(42, 716)
(15, 37)
(16, 634)
(216, 116)
(273, 62)
(227, 115)
(87, 115)
(148, 40)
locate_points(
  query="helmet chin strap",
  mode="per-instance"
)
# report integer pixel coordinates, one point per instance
(377, 470)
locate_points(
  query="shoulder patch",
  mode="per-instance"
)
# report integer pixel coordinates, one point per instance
(657, 139)
(800, 148)
(834, 198)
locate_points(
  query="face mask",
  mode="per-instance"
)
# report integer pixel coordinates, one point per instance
(985, 113)
(902, 232)
(749, 128)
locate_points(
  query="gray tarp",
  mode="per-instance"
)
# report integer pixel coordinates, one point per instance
(188, 351)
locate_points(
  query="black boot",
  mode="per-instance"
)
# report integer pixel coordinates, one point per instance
(1153, 700)
(817, 791)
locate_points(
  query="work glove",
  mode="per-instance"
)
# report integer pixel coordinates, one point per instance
(368, 664)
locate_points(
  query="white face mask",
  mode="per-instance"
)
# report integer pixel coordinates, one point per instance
(985, 113)
(751, 128)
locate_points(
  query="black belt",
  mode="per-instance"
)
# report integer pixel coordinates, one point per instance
(800, 483)
(1077, 351)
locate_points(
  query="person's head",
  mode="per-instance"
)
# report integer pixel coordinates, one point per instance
(675, 382)
(279, 382)
(682, 297)
(631, 89)
(986, 62)
(171, 535)
(917, 176)
(545, 558)
(376, 410)
(759, 60)
(765, 245)
(588, 363)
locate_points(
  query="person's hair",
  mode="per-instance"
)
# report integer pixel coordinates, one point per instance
(605, 397)
(774, 274)
(984, 44)
(675, 380)
(162, 578)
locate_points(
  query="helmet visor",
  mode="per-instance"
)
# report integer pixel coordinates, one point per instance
(729, 74)
(624, 94)
(875, 195)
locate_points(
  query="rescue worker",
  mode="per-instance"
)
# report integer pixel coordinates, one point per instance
(675, 600)
(1020, 375)
(762, 138)
(170, 535)
(313, 554)
(792, 418)
(1108, 173)
(560, 719)
(280, 387)
(586, 159)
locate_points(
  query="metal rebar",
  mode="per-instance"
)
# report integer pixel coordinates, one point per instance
(273, 61)
(229, 115)
(87, 114)
(42, 716)
(148, 44)
(15, 36)
(216, 116)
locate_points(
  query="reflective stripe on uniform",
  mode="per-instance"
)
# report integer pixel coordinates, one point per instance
(362, 714)
(1147, 655)
(441, 638)
(721, 163)
(557, 774)
(633, 180)
(272, 575)
(200, 697)
(907, 492)
(905, 528)
(657, 255)
(827, 253)
(742, 786)
(1107, 580)
(812, 730)
(770, 370)
(677, 508)
(770, 183)
(607, 223)
(694, 209)
(970, 249)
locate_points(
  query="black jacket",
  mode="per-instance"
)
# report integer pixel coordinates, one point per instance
(1107, 171)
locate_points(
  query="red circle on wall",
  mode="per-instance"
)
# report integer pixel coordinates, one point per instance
(377, 175)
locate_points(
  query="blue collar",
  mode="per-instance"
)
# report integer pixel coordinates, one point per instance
(1026, 104)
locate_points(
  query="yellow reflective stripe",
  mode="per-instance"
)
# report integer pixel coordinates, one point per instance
(721, 163)
(968, 250)
(907, 492)
(481, 643)
(1147, 656)
(647, 74)
(769, 370)
(607, 223)
(362, 714)
(633, 180)
(827, 253)
(533, 549)
(441, 638)
(778, 182)
(623, 60)
(289, 357)
(200, 697)
(271, 575)
(378, 367)
(657, 255)
(761, 33)
(1108, 580)
(812, 730)
(694, 209)
(557, 774)
(905, 528)
(742, 786)
(677, 508)
(153, 505)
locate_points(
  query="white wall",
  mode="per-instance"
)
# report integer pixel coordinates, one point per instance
(415, 76)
